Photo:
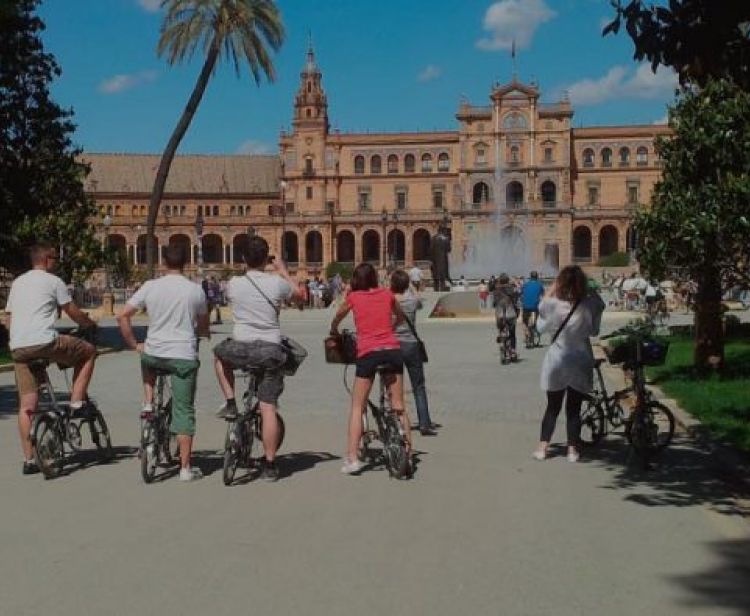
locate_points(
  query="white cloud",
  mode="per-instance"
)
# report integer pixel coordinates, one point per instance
(662, 120)
(251, 146)
(621, 83)
(429, 73)
(509, 20)
(123, 82)
(152, 6)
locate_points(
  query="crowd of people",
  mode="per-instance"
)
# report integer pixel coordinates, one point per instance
(387, 342)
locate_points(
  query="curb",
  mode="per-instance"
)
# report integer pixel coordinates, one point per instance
(732, 463)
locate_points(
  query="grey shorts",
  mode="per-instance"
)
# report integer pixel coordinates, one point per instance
(264, 357)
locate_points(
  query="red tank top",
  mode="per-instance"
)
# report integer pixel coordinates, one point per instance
(373, 318)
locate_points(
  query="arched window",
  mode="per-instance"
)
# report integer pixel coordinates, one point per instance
(608, 240)
(345, 247)
(140, 248)
(409, 163)
(371, 246)
(549, 193)
(290, 247)
(421, 245)
(240, 245)
(213, 249)
(641, 156)
(392, 163)
(514, 195)
(624, 157)
(444, 162)
(582, 244)
(314, 248)
(359, 165)
(426, 163)
(606, 157)
(480, 193)
(396, 247)
(376, 165)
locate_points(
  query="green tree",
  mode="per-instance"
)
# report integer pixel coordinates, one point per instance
(700, 39)
(41, 179)
(240, 31)
(699, 217)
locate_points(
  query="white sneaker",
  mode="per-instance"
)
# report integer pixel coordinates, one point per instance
(573, 456)
(539, 454)
(352, 466)
(190, 474)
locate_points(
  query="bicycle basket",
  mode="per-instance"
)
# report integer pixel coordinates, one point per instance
(295, 355)
(341, 349)
(624, 351)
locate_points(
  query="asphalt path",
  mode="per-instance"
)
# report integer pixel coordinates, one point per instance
(481, 529)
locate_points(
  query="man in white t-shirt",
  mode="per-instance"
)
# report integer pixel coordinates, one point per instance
(415, 277)
(178, 314)
(33, 304)
(256, 300)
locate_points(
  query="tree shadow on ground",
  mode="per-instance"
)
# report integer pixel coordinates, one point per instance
(685, 474)
(726, 584)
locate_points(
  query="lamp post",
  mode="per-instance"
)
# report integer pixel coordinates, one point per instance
(283, 186)
(384, 220)
(108, 303)
(199, 234)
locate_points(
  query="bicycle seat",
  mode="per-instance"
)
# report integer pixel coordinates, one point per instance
(161, 372)
(599, 361)
(249, 369)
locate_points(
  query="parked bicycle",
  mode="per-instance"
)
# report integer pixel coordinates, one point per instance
(650, 427)
(601, 411)
(243, 444)
(55, 433)
(157, 442)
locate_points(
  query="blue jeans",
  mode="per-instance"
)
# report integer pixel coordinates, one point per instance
(413, 363)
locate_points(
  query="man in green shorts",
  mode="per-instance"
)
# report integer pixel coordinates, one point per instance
(178, 315)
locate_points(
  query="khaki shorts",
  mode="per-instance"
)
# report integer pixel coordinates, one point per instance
(64, 350)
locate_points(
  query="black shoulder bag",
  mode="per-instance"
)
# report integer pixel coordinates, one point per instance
(420, 342)
(565, 322)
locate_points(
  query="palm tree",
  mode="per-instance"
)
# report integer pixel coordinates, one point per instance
(236, 30)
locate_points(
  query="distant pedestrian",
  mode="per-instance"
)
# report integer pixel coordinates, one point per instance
(572, 314)
(415, 277)
(484, 293)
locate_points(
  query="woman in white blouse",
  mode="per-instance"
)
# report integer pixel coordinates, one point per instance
(572, 314)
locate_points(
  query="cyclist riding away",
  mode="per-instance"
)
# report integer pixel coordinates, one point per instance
(256, 300)
(532, 293)
(506, 310)
(377, 348)
(33, 304)
(178, 314)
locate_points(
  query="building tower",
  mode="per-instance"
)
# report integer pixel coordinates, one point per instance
(310, 104)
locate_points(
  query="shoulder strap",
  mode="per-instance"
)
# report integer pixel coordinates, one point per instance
(412, 328)
(565, 322)
(276, 309)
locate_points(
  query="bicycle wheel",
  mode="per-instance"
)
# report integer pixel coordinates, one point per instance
(100, 435)
(592, 422)
(149, 451)
(168, 442)
(394, 450)
(48, 446)
(536, 338)
(232, 450)
(650, 428)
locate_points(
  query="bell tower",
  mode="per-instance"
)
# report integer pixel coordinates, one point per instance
(310, 104)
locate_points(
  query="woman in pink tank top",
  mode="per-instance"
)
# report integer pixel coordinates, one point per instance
(377, 345)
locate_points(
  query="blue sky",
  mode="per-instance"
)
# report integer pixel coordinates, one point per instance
(387, 65)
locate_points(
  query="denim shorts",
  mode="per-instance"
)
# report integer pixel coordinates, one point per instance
(367, 365)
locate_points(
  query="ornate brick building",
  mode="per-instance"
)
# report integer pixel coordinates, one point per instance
(515, 166)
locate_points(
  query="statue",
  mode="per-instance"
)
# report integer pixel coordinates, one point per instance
(440, 248)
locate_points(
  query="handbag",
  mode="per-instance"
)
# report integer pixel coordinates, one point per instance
(295, 352)
(420, 342)
(341, 348)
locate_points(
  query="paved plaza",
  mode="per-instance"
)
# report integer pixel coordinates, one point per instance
(482, 529)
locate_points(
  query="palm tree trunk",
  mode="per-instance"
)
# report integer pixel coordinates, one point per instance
(168, 156)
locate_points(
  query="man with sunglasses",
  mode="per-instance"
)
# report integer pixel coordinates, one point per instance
(33, 304)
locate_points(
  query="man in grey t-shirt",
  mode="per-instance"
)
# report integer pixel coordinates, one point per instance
(256, 300)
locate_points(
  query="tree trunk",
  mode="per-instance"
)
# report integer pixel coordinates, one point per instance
(709, 335)
(168, 156)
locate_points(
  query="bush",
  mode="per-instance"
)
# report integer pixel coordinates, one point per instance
(616, 259)
(343, 269)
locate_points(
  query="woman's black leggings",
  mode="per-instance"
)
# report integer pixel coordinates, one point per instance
(572, 412)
